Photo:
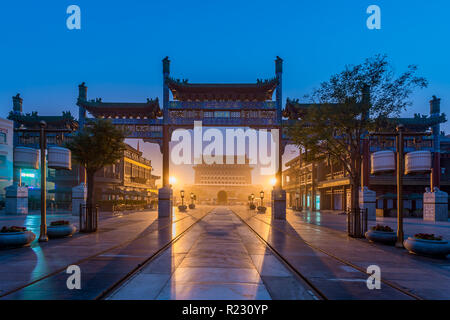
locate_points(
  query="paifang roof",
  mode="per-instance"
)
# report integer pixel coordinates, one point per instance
(295, 110)
(98, 108)
(259, 91)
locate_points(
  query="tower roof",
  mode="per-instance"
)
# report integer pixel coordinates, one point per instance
(98, 108)
(259, 91)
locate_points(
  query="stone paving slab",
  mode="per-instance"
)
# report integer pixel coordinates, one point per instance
(217, 266)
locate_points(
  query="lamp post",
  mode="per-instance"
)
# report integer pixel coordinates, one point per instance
(261, 194)
(182, 197)
(43, 145)
(400, 135)
(297, 198)
(252, 197)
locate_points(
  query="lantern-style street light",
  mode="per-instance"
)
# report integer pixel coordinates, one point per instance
(182, 197)
(57, 163)
(399, 135)
(261, 194)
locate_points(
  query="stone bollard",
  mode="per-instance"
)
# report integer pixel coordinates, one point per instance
(16, 200)
(165, 202)
(435, 205)
(278, 204)
(368, 200)
(79, 196)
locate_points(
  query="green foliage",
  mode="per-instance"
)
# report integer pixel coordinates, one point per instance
(353, 102)
(99, 144)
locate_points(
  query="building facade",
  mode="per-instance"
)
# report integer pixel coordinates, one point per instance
(6, 156)
(130, 178)
(324, 185)
(223, 183)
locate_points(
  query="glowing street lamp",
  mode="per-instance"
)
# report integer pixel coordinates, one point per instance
(172, 180)
(182, 197)
(273, 181)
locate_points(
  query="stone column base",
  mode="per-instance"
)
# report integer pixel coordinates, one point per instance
(16, 200)
(79, 197)
(165, 202)
(368, 200)
(278, 204)
(435, 205)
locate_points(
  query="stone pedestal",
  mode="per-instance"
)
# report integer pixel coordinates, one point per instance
(278, 204)
(435, 205)
(165, 202)
(368, 200)
(16, 200)
(79, 197)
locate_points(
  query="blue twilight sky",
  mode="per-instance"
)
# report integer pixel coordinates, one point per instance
(119, 48)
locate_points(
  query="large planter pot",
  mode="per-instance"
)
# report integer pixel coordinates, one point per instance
(381, 236)
(262, 209)
(182, 208)
(252, 207)
(16, 239)
(61, 231)
(432, 248)
(192, 206)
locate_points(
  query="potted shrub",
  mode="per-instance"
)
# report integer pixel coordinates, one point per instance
(428, 245)
(60, 228)
(252, 206)
(381, 234)
(261, 209)
(182, 208)
(15, 237)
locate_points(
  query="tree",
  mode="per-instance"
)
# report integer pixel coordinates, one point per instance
(99, 144)
(357, 100)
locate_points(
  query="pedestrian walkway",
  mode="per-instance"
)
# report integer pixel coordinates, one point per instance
(411, 226)
(219, 258)
(104, 257)
(317, 245)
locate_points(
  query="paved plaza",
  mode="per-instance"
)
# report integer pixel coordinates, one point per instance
(220, 253)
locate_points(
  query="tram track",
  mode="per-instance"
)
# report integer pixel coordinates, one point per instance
(139, 265)
(310, 245)
(316, 292)
(114, 286)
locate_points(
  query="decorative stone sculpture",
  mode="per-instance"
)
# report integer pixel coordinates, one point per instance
(435, 205)
(278, 204)
(79, 197)
(367, 200)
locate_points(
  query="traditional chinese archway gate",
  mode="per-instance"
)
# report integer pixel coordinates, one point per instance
(217, 105)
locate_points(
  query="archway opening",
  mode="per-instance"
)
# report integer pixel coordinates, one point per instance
(222, 197)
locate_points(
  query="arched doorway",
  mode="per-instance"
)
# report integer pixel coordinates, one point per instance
(222, 197)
